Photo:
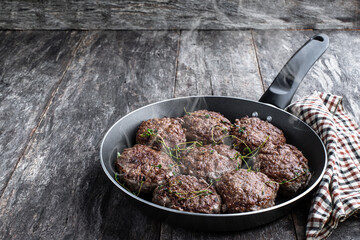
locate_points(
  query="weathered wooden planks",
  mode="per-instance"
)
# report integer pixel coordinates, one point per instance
(58, 189)
(280, 229)
(186, 14)
(336, 72)
(347, 230)
(31, 66)
(218, 63)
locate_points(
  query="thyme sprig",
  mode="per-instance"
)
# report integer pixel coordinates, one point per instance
(223, 129)
(241, 129)
(175, 151)
(157, 166)
(141, 184)
(297, 175)
(187, 113)
(149, 132)
(117, 179)
(191, 194)
(250, 154)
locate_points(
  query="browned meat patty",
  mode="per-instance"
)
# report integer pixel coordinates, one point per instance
(188, 193)
(243, 191)
(253, 132)
(143, 168)
(286, 165)
(210, 161)
(206, 126)
(161, 132)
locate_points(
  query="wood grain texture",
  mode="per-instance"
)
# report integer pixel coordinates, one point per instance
(175, 14)
(299, 215)
(31, 65)
(59, 190)
(279, 229)
(218, 63)
(336, 72)
(348, 230)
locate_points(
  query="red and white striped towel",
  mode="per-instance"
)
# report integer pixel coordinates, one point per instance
(338, 194)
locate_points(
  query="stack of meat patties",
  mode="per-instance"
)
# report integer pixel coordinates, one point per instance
(194, 163)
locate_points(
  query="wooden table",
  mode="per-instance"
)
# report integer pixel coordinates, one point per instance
(60, 91)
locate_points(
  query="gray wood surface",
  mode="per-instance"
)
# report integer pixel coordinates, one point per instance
(184, 14)
(58, 189)
(31, 66)
(85, 81)
(336, 72)
(218, 63)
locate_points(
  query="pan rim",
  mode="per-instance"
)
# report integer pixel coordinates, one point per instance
(211, 215)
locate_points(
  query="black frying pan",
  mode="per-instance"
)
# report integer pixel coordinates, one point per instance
(122, 135)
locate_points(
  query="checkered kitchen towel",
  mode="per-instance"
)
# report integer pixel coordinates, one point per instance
(338, 195)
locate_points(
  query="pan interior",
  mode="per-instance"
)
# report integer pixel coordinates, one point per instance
(122, 134)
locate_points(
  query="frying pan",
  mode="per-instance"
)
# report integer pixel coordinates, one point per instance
(122, 135)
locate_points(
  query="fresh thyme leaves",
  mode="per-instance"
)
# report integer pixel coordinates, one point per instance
(250, 154)
(212, 181)
(248, 149)
(175, 151)
(141, 184)
(117, 179)
(223, 130)
(187, 113)
(297, 175)
(173, 165)
(247, 166)
(149, 132)
(157, 166)
(241, 129)
(207, 116)
(191, 194)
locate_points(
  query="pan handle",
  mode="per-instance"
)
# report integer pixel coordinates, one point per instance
(283, 88)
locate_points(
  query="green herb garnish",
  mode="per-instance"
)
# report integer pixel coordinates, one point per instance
(158, 166)
(148, 133)
(241, 130)
(187, 113)
(297, 175)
